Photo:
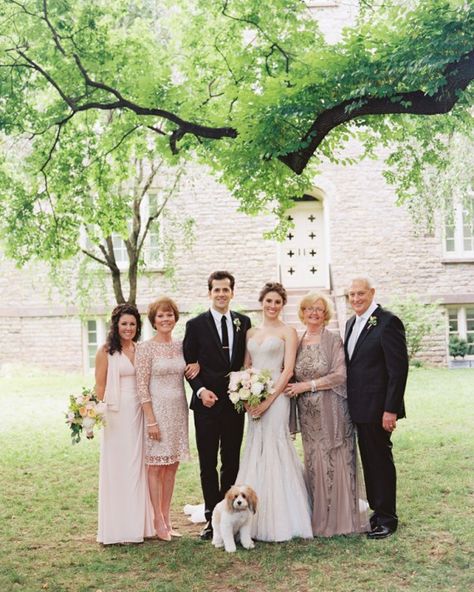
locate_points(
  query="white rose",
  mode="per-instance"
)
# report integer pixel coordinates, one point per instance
(100, 408)
(234, 397)
(88, 423)
(257, 388)
(244, 394)
(245, 375)
(79, 399)
(234, 383)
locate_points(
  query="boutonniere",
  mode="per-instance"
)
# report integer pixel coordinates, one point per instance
(372, 322)
(236, 322)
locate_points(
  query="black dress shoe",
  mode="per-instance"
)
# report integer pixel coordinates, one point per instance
(380, 532)
(206, 532)
(373, 521)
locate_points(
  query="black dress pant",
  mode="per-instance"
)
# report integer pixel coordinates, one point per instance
(379, 473)
(224, 432)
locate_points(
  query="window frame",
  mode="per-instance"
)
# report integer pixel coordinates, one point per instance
(458, 227)
(463, 319)
(101, 334)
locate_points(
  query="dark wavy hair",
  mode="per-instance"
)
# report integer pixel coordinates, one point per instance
(220, 275)
(113, 343)
(273, 287)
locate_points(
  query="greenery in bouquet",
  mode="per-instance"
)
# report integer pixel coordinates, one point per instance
(249, 386)
(85, 413)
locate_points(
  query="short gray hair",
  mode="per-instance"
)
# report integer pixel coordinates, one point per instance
(365, 279)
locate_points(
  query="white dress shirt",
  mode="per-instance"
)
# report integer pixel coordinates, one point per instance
(217, 316)
(359, 324)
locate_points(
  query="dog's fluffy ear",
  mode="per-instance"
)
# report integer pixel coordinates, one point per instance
(229, 497)
(252, 499)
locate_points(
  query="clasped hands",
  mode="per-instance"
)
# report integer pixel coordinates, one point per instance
(296, 388)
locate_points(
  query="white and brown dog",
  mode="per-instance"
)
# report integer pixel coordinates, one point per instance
(233, 516)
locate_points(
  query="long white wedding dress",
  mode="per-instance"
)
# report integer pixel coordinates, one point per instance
(270, 463)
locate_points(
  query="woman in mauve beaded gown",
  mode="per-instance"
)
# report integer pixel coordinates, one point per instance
(125, 511)
(160, 372)
(334, 481)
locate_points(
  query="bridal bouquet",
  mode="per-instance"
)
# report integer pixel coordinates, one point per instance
(85, 412)
(249, 386)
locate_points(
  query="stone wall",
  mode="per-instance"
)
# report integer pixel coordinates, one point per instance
(371, 235)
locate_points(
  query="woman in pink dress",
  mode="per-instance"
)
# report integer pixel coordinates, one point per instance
(160, 372)
(125, 512)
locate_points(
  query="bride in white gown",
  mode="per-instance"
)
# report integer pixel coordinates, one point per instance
(270, 463)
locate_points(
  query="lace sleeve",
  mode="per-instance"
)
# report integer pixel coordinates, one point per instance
(143, 372)
(335, 379)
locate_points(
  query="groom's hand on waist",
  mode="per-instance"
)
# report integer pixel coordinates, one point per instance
(207, 397)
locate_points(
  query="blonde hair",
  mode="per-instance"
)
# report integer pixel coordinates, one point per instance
(310, 299)
(163, 303)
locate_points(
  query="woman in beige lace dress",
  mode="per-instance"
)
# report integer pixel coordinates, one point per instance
(327, 432)
(160, 369)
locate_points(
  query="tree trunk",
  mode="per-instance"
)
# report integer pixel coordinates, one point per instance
(117, 285)
(132, 280)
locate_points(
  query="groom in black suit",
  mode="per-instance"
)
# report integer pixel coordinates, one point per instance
(377, 369)
(216, 339)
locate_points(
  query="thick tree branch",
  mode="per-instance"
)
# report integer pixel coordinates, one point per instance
(458, 76)
(183, 126)
(94, 257)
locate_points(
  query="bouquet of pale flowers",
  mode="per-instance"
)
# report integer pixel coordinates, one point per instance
(250, 386)
(85, 412)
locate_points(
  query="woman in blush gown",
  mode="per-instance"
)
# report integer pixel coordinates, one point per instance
(270, 463)
(125, 511)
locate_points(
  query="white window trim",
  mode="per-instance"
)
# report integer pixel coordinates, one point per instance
(101, 336)
(147, 330)
(122, 265)
(462, 322)
(459, 251)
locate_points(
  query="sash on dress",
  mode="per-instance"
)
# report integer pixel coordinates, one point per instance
(112, 387)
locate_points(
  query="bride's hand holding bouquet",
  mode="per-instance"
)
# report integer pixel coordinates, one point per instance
(249, 389)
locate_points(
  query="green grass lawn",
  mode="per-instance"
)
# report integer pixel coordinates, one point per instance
(48, 499)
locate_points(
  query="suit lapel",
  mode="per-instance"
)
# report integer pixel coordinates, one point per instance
(349, 327)
(365, 331)
(215, 335)
(236, 336)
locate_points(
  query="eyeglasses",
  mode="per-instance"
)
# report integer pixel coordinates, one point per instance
(314, 309)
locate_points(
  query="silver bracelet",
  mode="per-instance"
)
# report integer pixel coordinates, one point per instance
(313, 386)
(151, 425)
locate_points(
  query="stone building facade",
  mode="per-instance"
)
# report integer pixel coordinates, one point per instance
(357, 230)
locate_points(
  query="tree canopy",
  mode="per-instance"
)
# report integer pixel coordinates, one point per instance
(250, 88)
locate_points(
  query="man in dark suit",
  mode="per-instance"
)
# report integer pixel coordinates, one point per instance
(377, 369)
(216, 339)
